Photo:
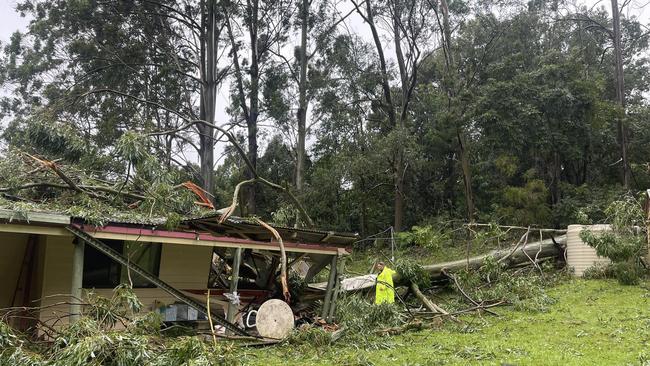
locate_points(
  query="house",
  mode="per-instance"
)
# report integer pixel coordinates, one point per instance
(49, 260)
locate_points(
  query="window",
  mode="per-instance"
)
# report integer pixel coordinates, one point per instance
(102, 272)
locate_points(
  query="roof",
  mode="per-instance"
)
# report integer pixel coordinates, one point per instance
(236, 227)
(247, 228)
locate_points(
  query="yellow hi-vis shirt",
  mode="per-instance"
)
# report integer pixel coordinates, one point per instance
(384, 289)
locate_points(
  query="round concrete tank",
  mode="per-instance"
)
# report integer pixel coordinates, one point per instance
(579, 255)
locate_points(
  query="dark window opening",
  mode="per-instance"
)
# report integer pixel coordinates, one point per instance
(102, 272)
(221, 268)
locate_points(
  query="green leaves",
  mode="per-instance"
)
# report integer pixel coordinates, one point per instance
(425, 237)
(626, 243)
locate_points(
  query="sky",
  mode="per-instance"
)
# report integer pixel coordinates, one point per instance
(11, 21)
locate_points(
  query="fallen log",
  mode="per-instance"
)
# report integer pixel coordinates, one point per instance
(541, 250)
(524, 255)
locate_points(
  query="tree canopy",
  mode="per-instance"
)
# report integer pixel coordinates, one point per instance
(422, 111)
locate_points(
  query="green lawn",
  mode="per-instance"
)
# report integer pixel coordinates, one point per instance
(596, 322)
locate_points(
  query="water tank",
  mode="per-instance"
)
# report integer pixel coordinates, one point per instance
(579, 255)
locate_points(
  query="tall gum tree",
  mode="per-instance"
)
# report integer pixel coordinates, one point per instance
(254, 27)
(408, 28)
(109, 67)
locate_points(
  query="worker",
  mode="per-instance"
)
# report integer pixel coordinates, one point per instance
(385, 293)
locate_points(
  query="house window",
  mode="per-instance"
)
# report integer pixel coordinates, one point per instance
(102, 272)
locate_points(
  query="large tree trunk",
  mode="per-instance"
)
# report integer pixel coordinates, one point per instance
(467, 174)
(254, 104)
(208, 95)
(524, 255)
(463, 149)
(399, 163)
(620, 92)
(303, 104)
(509, 258)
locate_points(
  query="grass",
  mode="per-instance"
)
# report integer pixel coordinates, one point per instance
(592, 322)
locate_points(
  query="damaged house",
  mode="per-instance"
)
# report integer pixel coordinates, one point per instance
(50, 261)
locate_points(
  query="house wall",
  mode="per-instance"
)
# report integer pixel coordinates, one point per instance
(181, 266)
(12, 247)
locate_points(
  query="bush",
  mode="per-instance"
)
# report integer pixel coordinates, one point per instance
(423, 236)
(625, 244)
(599, 271)
(628, 272)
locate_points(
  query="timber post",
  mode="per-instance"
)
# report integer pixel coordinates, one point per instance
(330, 287)
(234, 280)
(335, 294)
(77, 279)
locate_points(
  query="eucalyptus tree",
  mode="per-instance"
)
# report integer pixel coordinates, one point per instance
(409, 28)
(255, 28)
(350, 179)
(108, 67)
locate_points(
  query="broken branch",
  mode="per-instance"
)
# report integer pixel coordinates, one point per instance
(283, 259)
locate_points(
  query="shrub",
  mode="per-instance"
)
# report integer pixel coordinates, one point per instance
(599, 271)
(423, 236)
(625, 244)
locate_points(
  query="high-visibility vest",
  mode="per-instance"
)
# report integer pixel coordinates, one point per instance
(384, 289)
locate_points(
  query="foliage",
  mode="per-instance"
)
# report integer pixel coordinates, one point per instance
(151, 194)
(360, 317)
(526, 205)
(310, 336)
(424, 236)
(626, 243)
(93, 340)
(525, 290)
(411, 272)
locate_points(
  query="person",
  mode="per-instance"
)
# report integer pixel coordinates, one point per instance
(384, 291)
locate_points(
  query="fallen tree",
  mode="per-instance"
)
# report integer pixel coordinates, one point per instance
(519, 255)
(528, 254)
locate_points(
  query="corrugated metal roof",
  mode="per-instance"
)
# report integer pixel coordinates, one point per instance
(234, 226)
(249, 221)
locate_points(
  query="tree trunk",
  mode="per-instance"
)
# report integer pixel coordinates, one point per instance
(522, 256)
(467, 174)
(620, 92)
(208, 95)
(253, 103)
(463, 150)
(399, 163)
(303, 104)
